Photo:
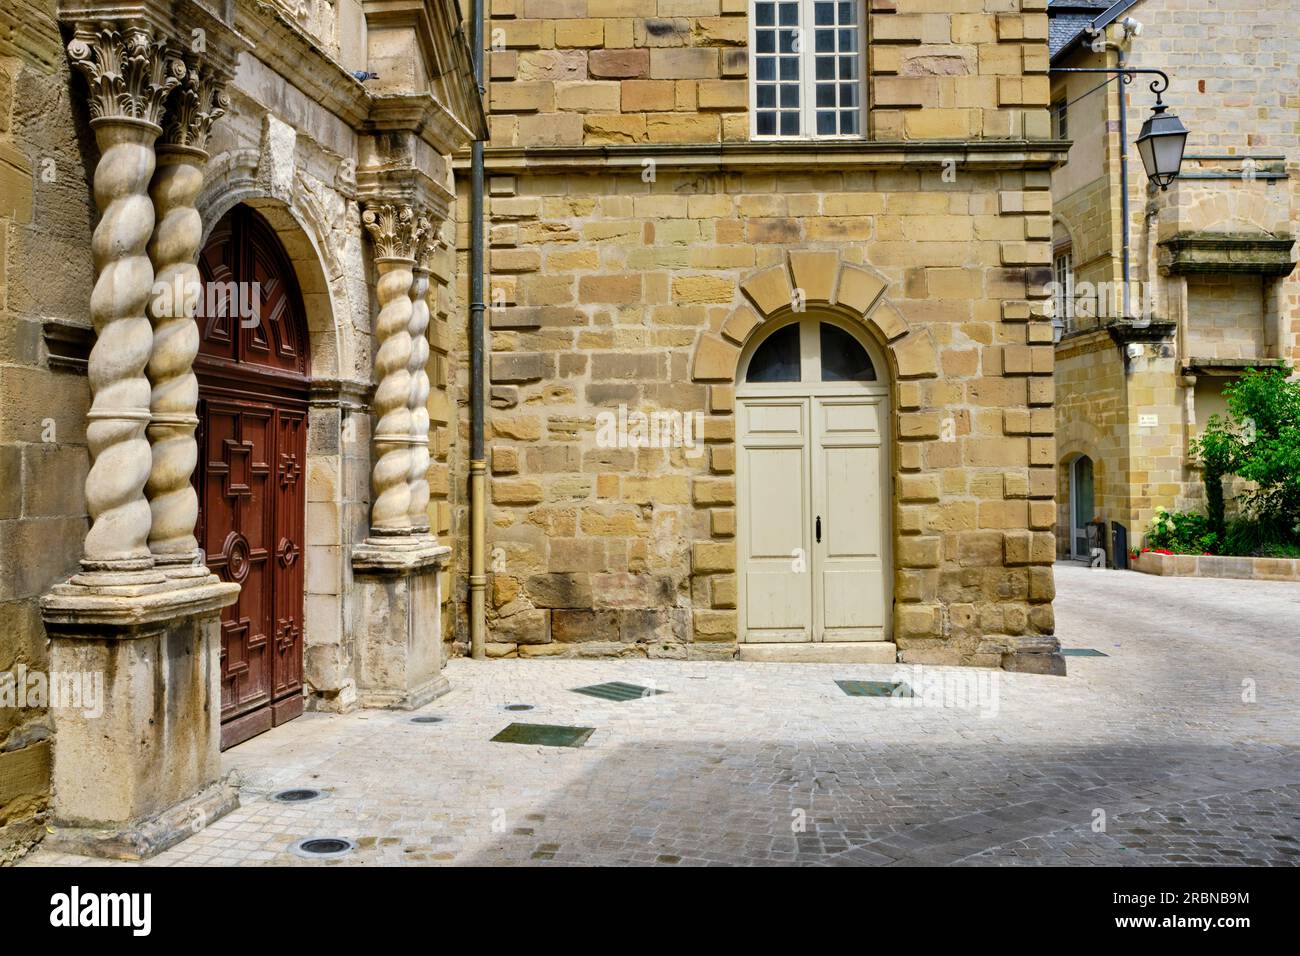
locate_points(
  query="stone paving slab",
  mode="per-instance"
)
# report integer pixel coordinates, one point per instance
(772, 764)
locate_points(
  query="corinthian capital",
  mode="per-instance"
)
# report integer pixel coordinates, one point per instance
(128, 68)
(196, 103)
(397, 229)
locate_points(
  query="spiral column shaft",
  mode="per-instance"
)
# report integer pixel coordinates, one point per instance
(173, 502)
(419, 400)
(120, 458)
(391, 506)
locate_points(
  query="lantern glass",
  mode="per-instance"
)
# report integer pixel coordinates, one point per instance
(1161, 146)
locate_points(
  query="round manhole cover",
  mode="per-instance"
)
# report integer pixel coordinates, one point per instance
(316, 848)
(300, 795)
(514, 707)
(426, 719)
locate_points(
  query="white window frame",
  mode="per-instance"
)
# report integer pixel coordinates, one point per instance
(1061, 119)
(807, 80)
(1063, 301)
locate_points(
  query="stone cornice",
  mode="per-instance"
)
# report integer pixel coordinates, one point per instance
(191, 27)
(404, 185)
(1200, 253)
(1122, 333)
(422, 115)
(291, 52)
(800, 157)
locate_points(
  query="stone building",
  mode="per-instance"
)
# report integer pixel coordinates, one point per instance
(769, 369)
(769, 377)
(250, 532)
(1213, 289)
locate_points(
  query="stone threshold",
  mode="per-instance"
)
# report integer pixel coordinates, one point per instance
(825, 652)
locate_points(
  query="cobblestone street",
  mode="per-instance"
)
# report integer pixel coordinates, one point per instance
(774, 764)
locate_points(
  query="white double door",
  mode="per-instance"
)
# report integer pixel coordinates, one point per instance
(813, 539)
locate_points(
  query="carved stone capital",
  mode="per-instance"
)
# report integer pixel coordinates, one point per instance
(197, 102)
(396, 228)
(129, 69)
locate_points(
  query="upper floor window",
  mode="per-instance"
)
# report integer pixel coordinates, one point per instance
(1060, 120)
(806, 71)
(1063, 297)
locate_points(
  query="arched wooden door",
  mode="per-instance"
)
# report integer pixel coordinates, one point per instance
(253, 372)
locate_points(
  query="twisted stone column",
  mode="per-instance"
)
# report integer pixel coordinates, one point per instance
(395, 231)
(419, 394)
(174, 504)
(129, 75)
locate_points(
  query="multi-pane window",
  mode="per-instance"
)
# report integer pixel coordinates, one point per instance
(1061, 120)
(807, 75)
(1063, 300)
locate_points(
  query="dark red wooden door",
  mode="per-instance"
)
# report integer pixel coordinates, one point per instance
(252, 371)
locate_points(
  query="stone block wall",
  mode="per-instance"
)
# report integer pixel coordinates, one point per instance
(45, 269)
(603, 72)
(611, 291)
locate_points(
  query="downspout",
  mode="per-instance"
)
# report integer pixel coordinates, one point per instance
(477, 306)
(1123, 187)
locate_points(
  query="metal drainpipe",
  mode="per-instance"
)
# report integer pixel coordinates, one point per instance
(1123, 184)
(477, 306)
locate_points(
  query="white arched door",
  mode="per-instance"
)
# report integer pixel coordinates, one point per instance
(812, 472)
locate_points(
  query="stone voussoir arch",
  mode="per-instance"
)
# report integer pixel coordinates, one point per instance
(812, 279)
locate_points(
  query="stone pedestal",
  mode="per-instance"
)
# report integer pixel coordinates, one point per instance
(137, 766)
(399, 637)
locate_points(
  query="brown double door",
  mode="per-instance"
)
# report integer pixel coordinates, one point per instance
(251, 471)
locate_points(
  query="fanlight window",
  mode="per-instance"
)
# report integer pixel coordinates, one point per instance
(836, 356)
(777, 359)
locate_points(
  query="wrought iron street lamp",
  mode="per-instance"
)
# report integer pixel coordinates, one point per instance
(1163, 136)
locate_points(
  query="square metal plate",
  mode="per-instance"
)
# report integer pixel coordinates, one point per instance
(1081, 652)
(544, 735)
(875, 688)
(617, 690)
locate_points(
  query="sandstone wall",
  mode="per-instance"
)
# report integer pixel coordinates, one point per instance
(569, 72)
(45, 276)
(612, 291)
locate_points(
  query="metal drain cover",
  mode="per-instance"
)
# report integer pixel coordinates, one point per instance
(427, 719)
(1081, 652)
(317, 848)
(875, 688)
(300, 795)
(618, 691)
(544, 735)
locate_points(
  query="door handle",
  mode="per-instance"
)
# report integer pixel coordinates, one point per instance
(819, 529)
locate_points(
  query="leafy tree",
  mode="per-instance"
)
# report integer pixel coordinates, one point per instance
(1260, 442)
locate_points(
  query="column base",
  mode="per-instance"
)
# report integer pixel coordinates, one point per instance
(137, 762)
(399, 607)
(141, 839)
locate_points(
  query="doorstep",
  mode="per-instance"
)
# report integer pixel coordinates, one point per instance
(825, 652)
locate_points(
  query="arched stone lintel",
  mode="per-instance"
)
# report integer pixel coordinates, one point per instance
(815, 278)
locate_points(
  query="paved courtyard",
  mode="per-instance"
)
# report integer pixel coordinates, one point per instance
(1162, 743)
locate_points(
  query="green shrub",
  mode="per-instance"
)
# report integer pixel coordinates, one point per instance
(1259, 442)
(1182, 532)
